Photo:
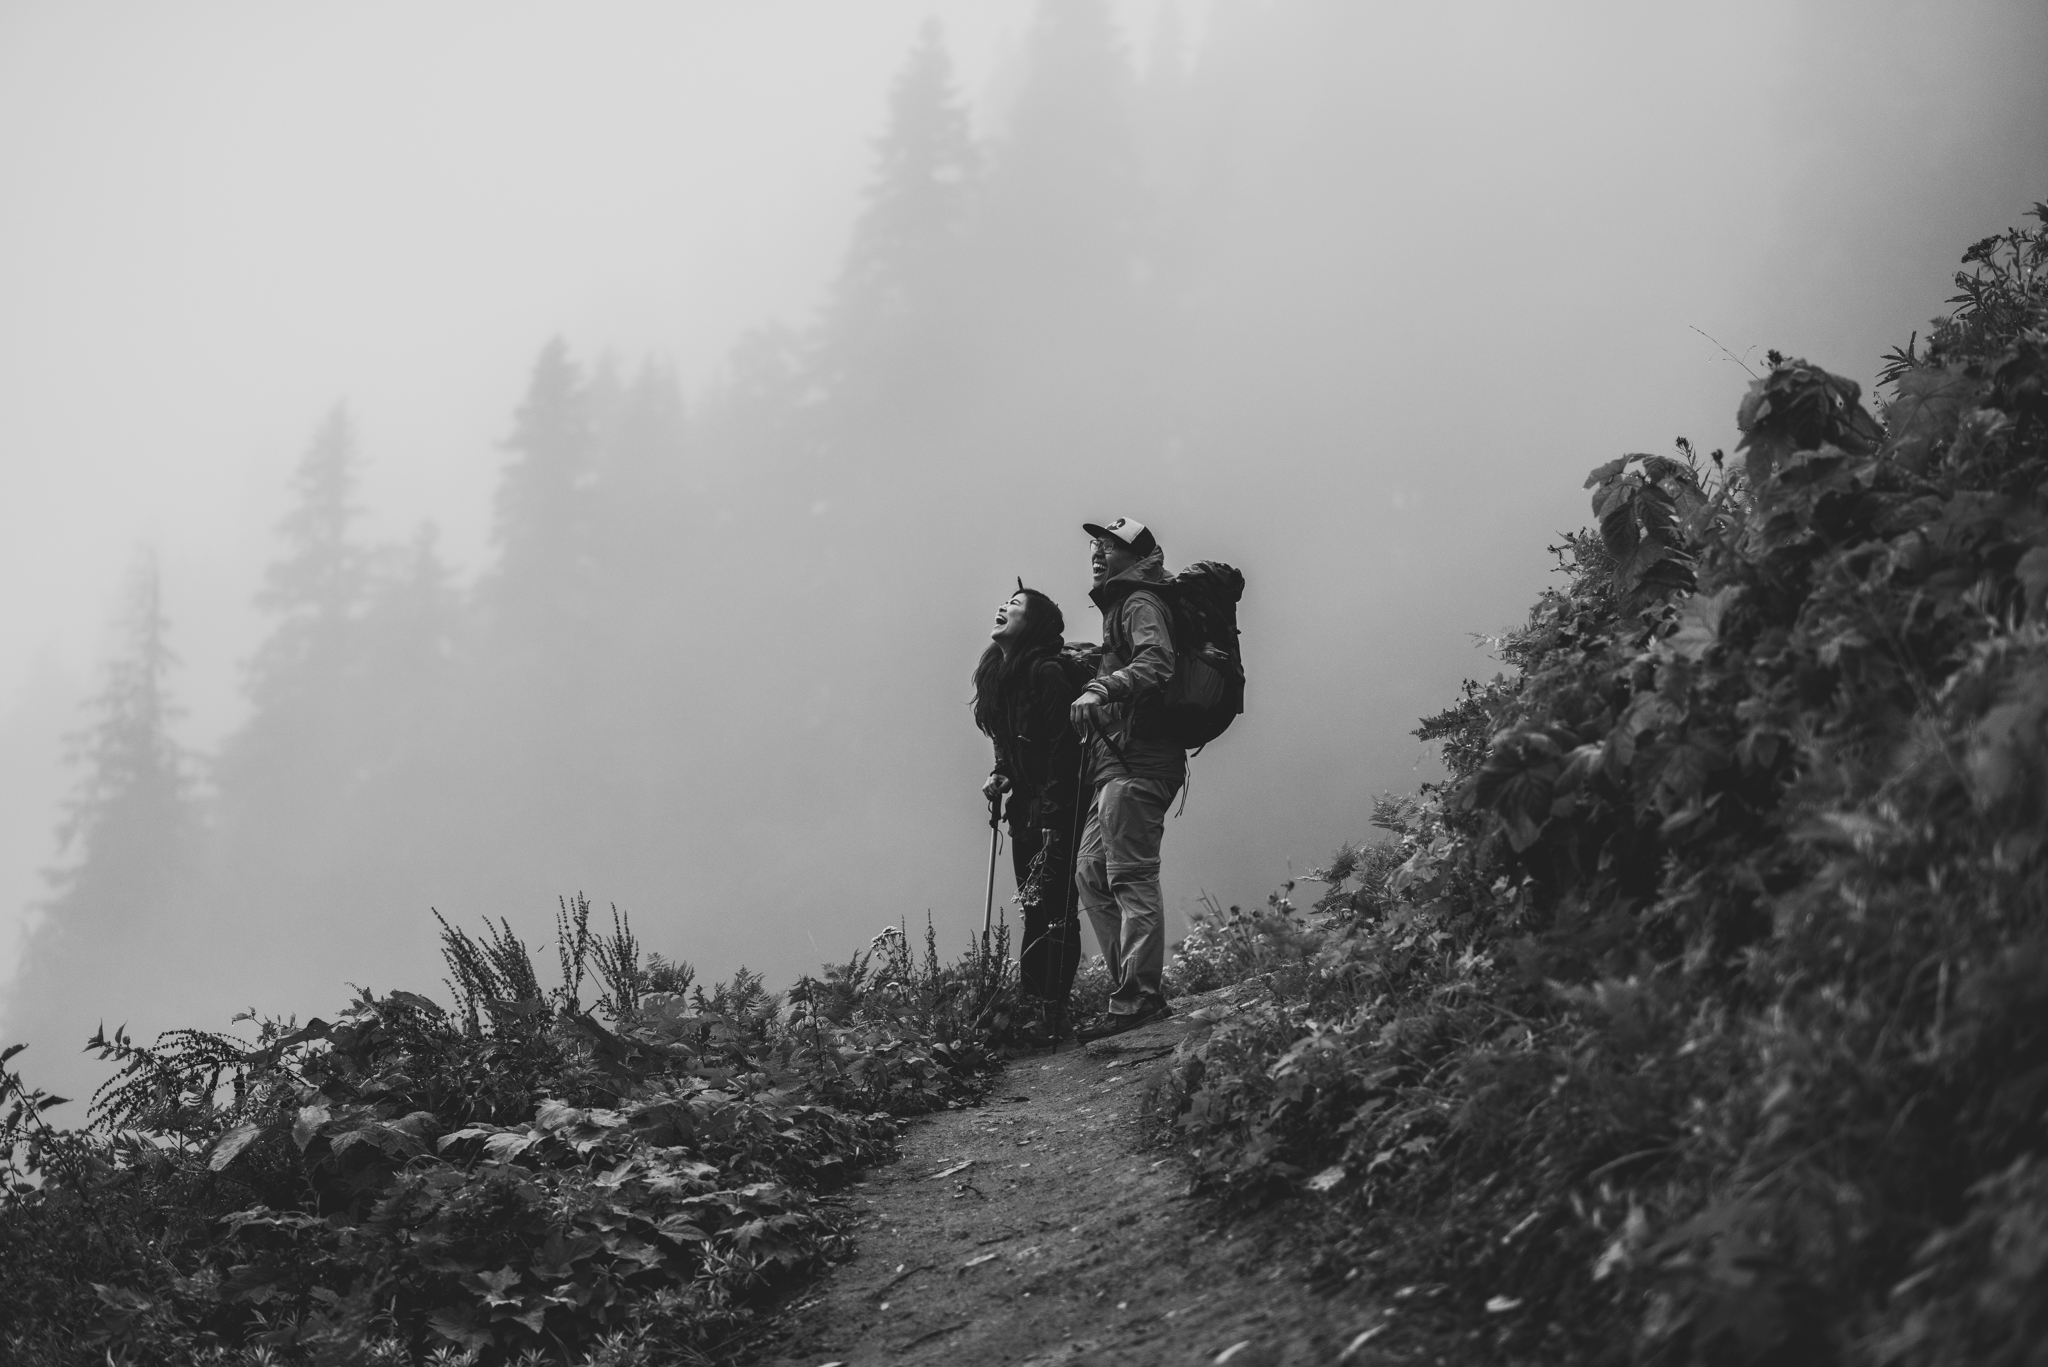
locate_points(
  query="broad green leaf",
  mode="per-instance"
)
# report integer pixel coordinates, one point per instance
(1758, 749)
(1681, 777)
(1616, 511)
(1927, 406)
(458, 1324)
(497, 1287)
(533, 1316)
(308, 1123)
(230, 1144)
(1602, 473)
(1699, 622)
(122, 1299)
(555, 1115)
(508, 1145)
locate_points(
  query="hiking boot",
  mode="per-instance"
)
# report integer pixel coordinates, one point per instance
(1038, 1029)
(1109, 1023)
(1056, 1025)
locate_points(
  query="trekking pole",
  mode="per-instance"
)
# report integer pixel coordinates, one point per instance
(995, 841)
(1070, 907)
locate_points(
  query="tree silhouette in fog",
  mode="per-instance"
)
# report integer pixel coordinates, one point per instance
(1065, 203)
(531, 753)
(281, 777)
(391, 833)
(891, 334)
(329, 790)
(131, 824)
(129, 838)
(542, 595)
(649, 513)
(572, 661)
(1064, 264)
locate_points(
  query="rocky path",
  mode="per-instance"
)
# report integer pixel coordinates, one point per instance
(1038, 1229)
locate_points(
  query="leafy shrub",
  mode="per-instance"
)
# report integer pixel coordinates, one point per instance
(523, 1178)
(1702, 1016)
(1234, 946)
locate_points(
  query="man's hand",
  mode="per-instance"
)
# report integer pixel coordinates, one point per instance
(1086, 713)
(996, 784)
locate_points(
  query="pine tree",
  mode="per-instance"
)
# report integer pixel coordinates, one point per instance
(649, 516)
(129, 839)
(410, 631)
(1065, 201)
(541, 600)
(895, 309)
(292, 757)
(131, 824)
(388, 832)
(642, 437)
(1066, 293)
(318, 586)
(535, 735)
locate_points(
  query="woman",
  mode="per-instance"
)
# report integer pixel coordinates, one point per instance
(1021, 697)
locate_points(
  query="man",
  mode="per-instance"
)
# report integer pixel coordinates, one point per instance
(1137, 772)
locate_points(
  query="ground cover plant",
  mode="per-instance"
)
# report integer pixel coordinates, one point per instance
(1701, 1016)
(616, 1169)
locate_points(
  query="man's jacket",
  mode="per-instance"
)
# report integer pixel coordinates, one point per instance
(1137, 665)
(1036, 748)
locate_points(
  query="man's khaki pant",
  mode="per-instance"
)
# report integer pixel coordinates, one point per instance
(1118, 875)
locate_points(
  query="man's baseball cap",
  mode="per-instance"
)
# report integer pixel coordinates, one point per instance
(1136, 535)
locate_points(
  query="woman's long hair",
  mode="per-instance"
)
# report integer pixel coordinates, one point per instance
(1044, 634)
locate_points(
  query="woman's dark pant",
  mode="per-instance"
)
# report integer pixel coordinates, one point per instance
(1052, 930)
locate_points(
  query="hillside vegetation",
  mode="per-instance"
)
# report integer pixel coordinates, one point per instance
(526, 1178)
(1702, 1015)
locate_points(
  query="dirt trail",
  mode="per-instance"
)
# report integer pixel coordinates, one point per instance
(1036, 1229)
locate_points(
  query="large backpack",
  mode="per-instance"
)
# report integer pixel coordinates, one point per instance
(1206, 693)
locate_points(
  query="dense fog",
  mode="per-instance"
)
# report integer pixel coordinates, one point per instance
(455, 462)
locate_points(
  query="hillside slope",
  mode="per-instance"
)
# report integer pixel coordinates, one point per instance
(1703, 1015)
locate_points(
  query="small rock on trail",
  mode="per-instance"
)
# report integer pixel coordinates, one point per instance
(1037, 1229)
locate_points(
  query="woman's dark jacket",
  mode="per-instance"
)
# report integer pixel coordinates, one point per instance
(1036, 748)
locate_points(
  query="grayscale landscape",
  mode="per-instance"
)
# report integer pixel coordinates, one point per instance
(500, 506)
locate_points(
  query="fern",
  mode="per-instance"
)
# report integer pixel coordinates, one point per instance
(173, 1087)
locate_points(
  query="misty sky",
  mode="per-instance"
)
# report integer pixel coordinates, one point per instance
(223, 218)
(220, 219)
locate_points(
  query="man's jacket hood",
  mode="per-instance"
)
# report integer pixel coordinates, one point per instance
(1149, 572)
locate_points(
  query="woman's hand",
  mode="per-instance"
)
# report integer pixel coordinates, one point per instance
(996, 784)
